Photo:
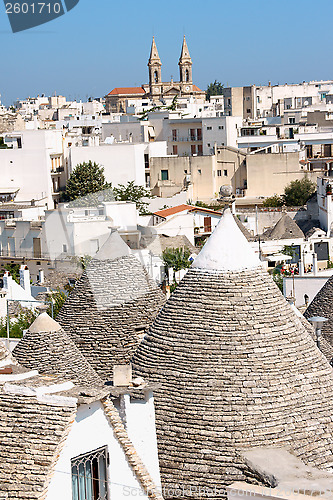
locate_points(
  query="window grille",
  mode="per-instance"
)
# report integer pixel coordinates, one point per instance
(89, 475)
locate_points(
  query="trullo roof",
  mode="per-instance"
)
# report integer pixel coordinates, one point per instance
(111, 307)
(236, 370)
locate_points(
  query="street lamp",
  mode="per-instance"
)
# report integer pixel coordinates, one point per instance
(318, 322)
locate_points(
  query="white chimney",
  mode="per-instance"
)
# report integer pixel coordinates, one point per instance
(25, 278)
(41, 276)
(7, 281)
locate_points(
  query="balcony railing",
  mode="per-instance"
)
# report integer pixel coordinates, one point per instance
(192, 138)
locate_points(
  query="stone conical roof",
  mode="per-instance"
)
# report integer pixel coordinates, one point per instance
(185, 53)
(154, 57)
(285, 228)
(111, 308)
(236, 370)
(322, 305)
(46, 348)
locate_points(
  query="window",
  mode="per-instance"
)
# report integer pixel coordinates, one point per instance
(248, 110)
(89, 475)
(199, 171)
(225, 173)
(64, 248)
(146, 160)
(200, 151)
(209, 128)
(175, 135)
(221, 127)
(193, 149)
(164, 175)
(199, 134)
(175, 150)
(208, 144)
(291, 119)
(155, 76)
(219, 173)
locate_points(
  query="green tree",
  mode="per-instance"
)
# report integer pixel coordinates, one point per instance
(176, 258)
(298, 192)
(87, 178)
(214, 88)
(273, 201)
(133, 193)
(14, 271)
(16, 325)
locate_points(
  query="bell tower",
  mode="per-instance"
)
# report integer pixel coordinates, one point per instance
(185, 69)
(155, 74)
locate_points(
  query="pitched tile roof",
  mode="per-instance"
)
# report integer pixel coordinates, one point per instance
(165, 212)
(237, 369)
(127, 91)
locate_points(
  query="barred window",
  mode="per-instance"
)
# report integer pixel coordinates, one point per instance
(89, 475)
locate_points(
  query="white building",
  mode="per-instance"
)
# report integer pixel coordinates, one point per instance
(32, 168)
(122, 162)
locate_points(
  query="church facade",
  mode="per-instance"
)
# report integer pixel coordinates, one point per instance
(156, 89)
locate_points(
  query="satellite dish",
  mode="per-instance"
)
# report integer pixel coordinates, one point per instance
(225, 191)
(306, 103)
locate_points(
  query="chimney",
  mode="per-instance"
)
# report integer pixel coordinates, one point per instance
(41, 276)
(7, 281)
(301, 267)
(314, 265)
(25, 278)
(122, 375)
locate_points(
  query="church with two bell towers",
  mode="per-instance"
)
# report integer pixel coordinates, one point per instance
(156, 89)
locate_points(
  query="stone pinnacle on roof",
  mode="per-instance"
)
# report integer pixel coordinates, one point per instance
(113, 248)
(154, 57)
(46, 347)
(185, 53)
(227, 249)
(236, 369)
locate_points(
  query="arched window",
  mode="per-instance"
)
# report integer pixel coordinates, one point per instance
(187, 76)
(155, 76)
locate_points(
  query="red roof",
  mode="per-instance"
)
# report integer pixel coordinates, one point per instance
(173, 210)
(181, 208)
(127, 91)
(196, 89)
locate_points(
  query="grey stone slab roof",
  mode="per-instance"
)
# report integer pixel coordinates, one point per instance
(32, 434)
(48, 349)
(160, 242)
(285, 228)
(109, 311)
(322, 305)
(236, 369)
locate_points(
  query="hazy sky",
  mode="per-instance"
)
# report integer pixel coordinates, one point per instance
(102, 44)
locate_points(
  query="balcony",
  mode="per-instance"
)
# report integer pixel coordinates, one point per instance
(191, 138)
(56, 171)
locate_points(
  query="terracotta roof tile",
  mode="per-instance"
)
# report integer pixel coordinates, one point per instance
(127, 91)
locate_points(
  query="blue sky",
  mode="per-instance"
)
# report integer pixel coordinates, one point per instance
(102, 44)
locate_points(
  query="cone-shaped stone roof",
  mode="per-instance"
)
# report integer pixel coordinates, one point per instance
(236, 370)
(322, 305)
(47, 348)
(154, 57)
(285, 228)
(185, 53)
(110, 309)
